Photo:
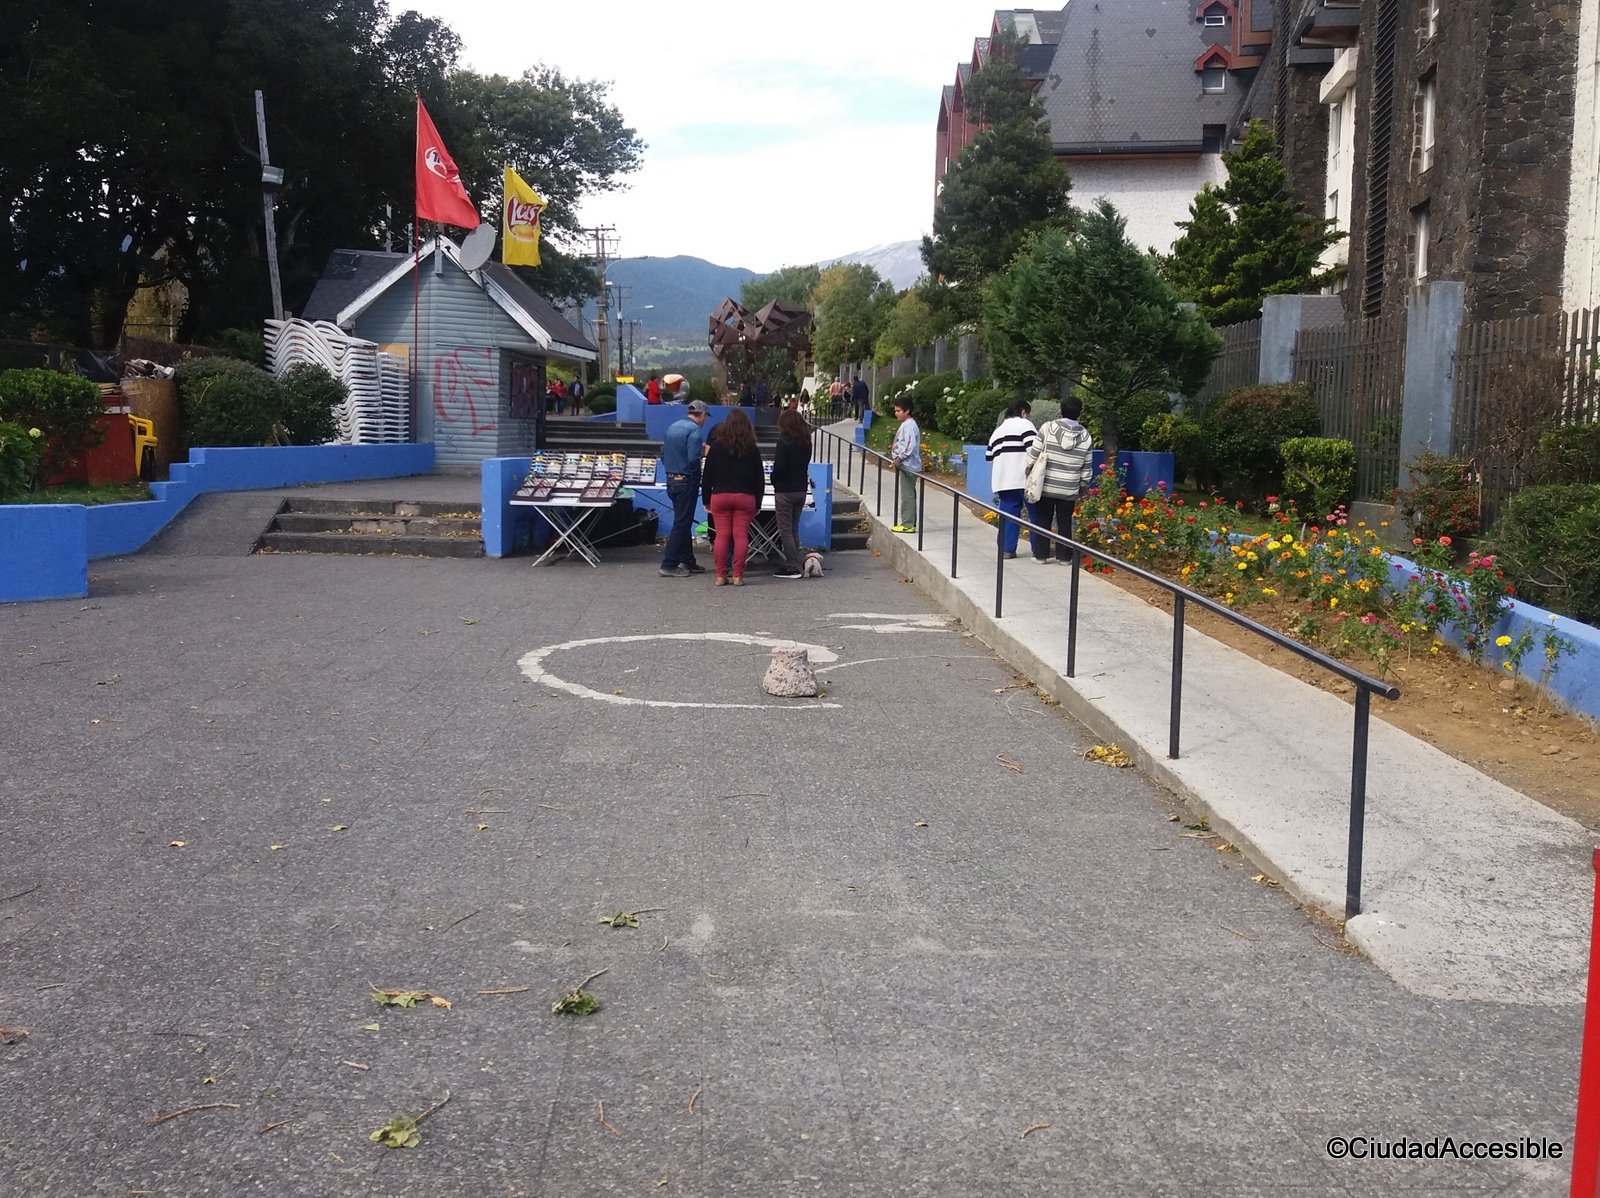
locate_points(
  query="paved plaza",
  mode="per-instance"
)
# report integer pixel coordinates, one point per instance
(901, 939)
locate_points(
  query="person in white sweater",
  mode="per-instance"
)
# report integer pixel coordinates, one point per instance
(1007, 453)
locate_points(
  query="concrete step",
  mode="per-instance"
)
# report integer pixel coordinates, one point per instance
(843, 541)
(354, 543)
(369, 508)
(419, 526)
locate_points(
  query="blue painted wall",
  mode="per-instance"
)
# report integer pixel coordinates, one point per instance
(43, 551)
(630, 404)
(43, 560)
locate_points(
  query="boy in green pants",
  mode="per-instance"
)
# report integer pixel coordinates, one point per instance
(907, 455)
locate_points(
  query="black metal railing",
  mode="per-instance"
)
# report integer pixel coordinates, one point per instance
(843, 452)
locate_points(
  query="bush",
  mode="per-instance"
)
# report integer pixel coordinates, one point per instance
(1168, 432)
(1547, 540)
(1571, 455)
(65, 408)
(1244, 429)
(934, 400)
(982, 408)
(1042, 411)
(702, 389)
(227, 402)
(1318, 473)
(20, 451)
(248, 345)
(601, 398)
(1442, 500)
(310, 394)
(904, 385)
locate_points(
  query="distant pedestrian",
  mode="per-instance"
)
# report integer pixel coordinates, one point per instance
(577, 393)
(790, 478)
(683, 391)
(906, 452)
(558, 392)
(1008, 479)
(732, 485)
(860, 395)
(652, 390)
(747, 395)
(681, 450)
(1068, 472)
(835, 399)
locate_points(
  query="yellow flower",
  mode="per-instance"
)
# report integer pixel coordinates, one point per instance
(34, 432)
(1268, 591)
(1502, 641)
(1507, 665)
(1334, 602)
(1273, 546)
(1287, 538)
(1243, 566)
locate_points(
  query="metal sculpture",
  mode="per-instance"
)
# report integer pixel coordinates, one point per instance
(738, 338)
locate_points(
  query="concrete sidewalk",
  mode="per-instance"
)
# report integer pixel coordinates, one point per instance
(1471, 890)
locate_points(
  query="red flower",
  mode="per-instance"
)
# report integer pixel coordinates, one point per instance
(1444, 540)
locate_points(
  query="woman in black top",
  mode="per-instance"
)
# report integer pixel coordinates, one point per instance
(789, 480)
(732, 484)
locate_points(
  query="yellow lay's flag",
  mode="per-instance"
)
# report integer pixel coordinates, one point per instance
(523, 207)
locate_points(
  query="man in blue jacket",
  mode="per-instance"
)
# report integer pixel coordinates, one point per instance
(680, 459)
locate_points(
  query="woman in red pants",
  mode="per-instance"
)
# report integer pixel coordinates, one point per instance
(732, 484)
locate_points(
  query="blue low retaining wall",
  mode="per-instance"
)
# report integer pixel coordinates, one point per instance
(508, 530)
(630, 404)
(43, 557)
(44, 551)
(1576, 681)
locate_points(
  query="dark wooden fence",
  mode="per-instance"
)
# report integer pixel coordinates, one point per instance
(1239, 364)
(1357, 371)
(1515, 380)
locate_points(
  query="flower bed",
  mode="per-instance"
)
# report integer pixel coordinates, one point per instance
(1331, 582)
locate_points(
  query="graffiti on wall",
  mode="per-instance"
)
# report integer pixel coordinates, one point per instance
(466, 388)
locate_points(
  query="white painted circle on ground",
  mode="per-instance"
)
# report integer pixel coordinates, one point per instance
(533, 665)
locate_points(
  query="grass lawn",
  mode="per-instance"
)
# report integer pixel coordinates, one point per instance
(89, 494)
(881, 435)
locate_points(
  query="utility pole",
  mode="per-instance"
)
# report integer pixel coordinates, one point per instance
(605, 245)
(271, 180)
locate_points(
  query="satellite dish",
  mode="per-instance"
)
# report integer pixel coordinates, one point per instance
(477, 246)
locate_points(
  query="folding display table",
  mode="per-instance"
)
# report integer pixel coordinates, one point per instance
(569, 515)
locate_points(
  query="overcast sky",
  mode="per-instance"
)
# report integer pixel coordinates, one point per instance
(778, 132)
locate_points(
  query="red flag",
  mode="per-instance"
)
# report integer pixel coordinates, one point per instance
(440, 195)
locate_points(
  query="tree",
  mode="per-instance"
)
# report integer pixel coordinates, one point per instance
(792, 283)
(851, 303)
(1004, 187)
(1250, 238)
(131, 160)
(1092, 304)
(911, 324)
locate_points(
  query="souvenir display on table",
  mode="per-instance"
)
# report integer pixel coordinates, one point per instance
(579, 477)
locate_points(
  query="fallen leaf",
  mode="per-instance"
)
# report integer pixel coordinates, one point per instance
(369, 1027)
(276, 847)
(1008, 763)
(481, 827)
(356, 1065)
(341, 827)
(618, 691)
(442, 1003)
(921, 823)
(13, 1035)
(1028, 1131)
(1172, 819)
(1263, 880)
(464, 620)
(1109, 755)
(176, 844)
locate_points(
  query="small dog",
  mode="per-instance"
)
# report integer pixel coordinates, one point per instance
(813, 566)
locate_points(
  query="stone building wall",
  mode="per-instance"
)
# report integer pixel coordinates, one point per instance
(1497, 192)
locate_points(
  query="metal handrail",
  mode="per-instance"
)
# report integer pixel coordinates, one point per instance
(1365, 685)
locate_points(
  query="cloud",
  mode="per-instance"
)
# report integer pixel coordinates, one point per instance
(777, 133)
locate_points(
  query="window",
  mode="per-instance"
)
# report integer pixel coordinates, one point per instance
(1427, 104)
(1216, 18)
(1419, 245)
(1214, 79)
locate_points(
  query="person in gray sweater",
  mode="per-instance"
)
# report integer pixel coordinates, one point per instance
(1068, 473)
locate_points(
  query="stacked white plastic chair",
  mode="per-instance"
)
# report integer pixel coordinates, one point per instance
(377, 410)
